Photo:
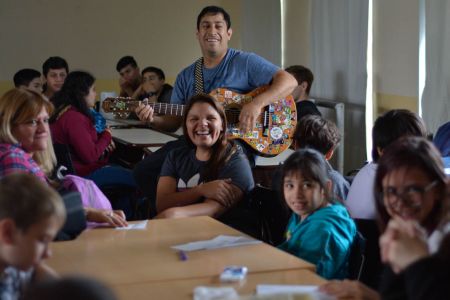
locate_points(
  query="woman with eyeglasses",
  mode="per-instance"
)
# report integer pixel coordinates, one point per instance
(25, 144)
(410, 187)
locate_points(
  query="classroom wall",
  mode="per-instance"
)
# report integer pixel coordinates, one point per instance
(93, 35)
(297, 32)
(396, 40)
(396, 54)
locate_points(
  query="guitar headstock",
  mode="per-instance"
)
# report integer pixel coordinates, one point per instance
(119, 104)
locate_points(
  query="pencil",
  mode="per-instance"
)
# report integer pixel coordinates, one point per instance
(182, 255)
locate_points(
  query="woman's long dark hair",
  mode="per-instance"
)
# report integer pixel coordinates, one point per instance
(73, 92)
(222, 149)
(411, 152)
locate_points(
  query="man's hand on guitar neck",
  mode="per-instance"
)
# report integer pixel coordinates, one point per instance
(146, 114)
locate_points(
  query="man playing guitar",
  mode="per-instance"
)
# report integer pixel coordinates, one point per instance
(220, 67)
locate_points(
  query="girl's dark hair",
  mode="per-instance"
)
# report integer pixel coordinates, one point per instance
(73, 92)
(411, 152)
(393, 125)
(313, 167)
(222, 149)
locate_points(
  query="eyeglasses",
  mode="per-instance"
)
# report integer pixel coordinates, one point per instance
(411, 196)
(35, 122)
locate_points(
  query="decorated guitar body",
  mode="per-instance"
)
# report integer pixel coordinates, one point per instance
(273, 130)
(274, 127)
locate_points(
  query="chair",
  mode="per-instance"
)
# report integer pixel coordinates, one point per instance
(357, 257)
(372, 266)
(272, 215)
(63, 158)
(75, 217)
(116, 194)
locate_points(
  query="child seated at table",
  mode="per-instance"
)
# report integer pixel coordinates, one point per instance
(319, 230)
(72, 124)
(322, 135)
(31, 213)
(208, 177)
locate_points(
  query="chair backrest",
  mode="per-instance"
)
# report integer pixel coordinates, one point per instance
(272, 215)
(75, 217)
(373, 267)
(357, 257)
(63, 158)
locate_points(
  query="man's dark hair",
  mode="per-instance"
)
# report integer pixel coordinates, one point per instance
(25, 76)
(317, 133)
(155, 70)
(393, 125)
(125, 61)
(214, 10)
(302, 73)
(54, 62)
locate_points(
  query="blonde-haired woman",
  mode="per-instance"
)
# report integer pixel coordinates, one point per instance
(25, 144)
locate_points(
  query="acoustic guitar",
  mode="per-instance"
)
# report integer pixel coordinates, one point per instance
(271, 135)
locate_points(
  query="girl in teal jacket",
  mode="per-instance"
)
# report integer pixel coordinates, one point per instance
(319, 231)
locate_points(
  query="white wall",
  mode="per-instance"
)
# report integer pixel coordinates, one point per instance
(94, 34)
(396, 41)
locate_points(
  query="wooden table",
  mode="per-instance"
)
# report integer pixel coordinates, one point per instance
(183, 289)
(143, 258)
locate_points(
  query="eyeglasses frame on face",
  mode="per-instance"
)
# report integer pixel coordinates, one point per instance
(421, 190)
(36, 122)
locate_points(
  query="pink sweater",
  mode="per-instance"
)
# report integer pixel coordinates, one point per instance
(86, 146)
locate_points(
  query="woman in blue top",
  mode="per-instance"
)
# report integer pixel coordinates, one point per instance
(319, 230)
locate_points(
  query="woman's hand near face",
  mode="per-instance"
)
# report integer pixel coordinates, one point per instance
(403, 243)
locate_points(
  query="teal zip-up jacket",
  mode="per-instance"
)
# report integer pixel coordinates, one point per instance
(324, 238)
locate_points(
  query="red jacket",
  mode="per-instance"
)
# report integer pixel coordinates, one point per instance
(86, 146)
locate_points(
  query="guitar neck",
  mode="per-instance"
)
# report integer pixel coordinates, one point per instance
(129, 105)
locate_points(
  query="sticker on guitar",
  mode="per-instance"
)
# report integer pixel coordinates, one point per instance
(271, 134)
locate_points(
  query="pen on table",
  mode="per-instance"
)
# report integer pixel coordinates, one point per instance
(182, 255)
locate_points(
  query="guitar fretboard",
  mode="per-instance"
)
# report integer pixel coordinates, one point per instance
(168, 109)
(160, 108)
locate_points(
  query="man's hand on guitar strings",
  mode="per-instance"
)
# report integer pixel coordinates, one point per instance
(248, 116)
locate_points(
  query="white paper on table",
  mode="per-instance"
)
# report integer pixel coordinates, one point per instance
(221, 241)
(135, 226)
(213, 293)
(311, 290)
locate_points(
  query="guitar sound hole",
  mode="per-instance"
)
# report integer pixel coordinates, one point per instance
(232, 115)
